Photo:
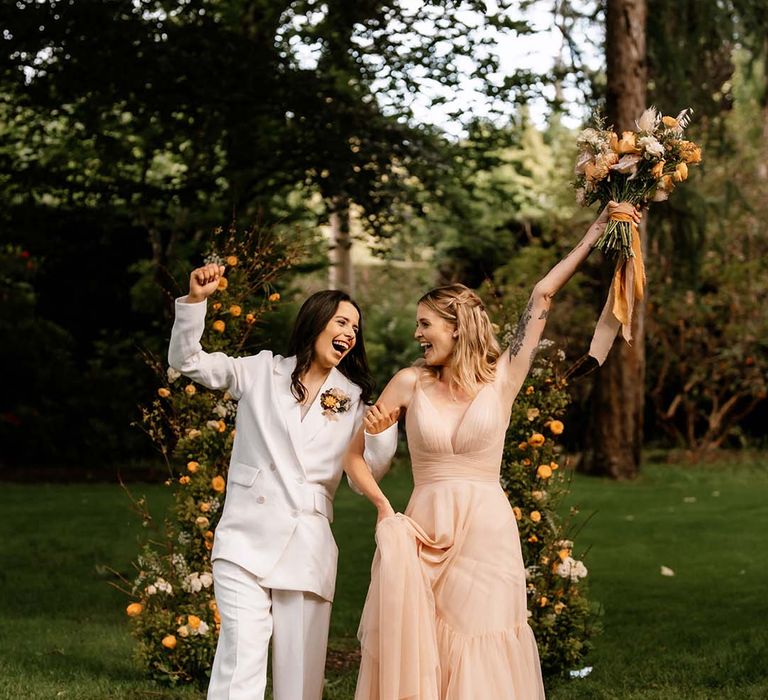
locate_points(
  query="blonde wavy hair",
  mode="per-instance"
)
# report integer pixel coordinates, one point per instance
(477, 350)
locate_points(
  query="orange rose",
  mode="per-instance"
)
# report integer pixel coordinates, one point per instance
(529, 391)
(208, 545)
(690, 152)
(217, 306)
(219, 326)
(544, 471)
(235, 310)
(250, 319)
(670, 122)
(564, 554)
(527, 462)
(202, 522)
(232, 260)
(543, 601)
(223, 283)
(553, 465)
(205, 507)
(658, 170)
(184, 480)
(535, 516)
(681, 172)
(192, 467)
(556, 427)
(559, 607)
(134, 609)
(536, 440)
(628, 143)
(533, 539)
(169, 642)
(518, 513)
(613, 142)
(222, 426)
(274, 297)
(218, 484)
(193, 621)
(522, 446)
(163, 393)
(208, 535)
(190, 390)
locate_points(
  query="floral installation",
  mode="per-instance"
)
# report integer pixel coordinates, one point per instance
(559, 611)
(640, 167)
(333, 402)
(172, 610)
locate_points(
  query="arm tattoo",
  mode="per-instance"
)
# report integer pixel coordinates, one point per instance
(518, 335)
(544, 314)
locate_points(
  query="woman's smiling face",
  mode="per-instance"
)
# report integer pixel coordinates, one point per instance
(436, 336)
(338, 337)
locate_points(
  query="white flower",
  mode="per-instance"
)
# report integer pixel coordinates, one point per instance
(666, 571)
(213, 424)
(202, 628)
(192, 583)
(206, 579)
(560, 355)
(648, 120)
(220, 410)
(533, 413)
(151, 590)
(183, 631)
(627, 164)
(651, 146)
(173, 375)
(591, 137)
(572, 568)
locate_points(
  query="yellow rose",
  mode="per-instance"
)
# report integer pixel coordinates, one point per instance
(184, 480)
(250, 319)
(134, 609)
(690, 152)
(670, 122)
(518, 513)
(628, 143)
(169, 642)
(543, 601)
(193, 621)
(681, 172)
(205, 507)
(202, 522)
(556, 427)
(235, 310)
(274, 297)
(658, 170)
(536, 440)
(535, 516)
(223, 283)
(544, 471)
(190, 389)
(232, 260)
(218, 484)
(163, 393)
(192, 467)
(219, 326)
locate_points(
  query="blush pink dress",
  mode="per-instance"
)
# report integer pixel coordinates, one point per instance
(445, 617)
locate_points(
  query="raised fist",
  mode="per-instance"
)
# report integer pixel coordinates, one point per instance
(204, 281)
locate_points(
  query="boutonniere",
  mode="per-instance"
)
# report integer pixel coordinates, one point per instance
(334, 401)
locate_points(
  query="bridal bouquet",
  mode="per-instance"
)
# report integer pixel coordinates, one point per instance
(640, 167)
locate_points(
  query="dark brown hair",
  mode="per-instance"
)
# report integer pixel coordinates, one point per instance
(313, 317)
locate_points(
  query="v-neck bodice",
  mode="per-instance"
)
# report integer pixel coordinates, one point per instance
(470, 449)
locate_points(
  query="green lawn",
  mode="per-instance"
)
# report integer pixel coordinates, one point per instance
(699, 634)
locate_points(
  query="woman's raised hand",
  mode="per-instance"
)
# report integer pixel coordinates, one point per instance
(612, 207)
(378, 419)
(204, 281)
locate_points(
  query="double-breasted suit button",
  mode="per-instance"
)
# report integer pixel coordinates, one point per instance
(260, 499)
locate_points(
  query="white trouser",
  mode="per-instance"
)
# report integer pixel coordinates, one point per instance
(296, 621)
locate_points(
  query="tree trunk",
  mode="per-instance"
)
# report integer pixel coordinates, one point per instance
(615, 434)
(341, 272)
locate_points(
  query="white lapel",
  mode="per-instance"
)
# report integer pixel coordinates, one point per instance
(289, 408)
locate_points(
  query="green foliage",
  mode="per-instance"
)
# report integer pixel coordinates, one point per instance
(174, 615)
(559, 611)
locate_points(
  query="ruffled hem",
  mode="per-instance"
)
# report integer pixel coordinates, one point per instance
(409, 653)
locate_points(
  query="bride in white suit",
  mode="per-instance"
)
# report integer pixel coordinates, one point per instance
(274, 557)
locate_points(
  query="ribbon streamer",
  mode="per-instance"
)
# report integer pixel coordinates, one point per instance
(627, 288)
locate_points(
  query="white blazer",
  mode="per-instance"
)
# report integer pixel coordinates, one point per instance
(283, 472)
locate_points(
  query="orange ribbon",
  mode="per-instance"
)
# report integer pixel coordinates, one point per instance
(627, 288)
